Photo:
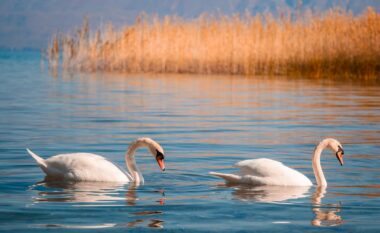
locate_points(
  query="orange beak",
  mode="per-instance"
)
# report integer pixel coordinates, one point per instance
(161, 164)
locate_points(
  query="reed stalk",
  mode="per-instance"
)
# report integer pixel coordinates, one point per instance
(330, 43)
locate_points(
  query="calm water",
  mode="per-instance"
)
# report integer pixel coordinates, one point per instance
(204, 124)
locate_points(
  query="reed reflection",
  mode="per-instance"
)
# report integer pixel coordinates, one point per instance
(325, 214)
(197, 104)
(269, 193)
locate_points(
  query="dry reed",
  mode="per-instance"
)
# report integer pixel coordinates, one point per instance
(331, 43)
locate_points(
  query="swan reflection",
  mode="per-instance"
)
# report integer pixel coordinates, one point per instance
(325, 214)
(83, 192)
(270, 193)
(90, 192)
(152, 223)
(98, 192)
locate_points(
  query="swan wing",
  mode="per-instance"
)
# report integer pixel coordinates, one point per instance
(84, 167)
(237, 179)
(260, 167)
(229, 178)
(270, 172)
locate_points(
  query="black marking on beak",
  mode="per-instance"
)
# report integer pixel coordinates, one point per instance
(339, 155)
(160, 160)
(159, 155)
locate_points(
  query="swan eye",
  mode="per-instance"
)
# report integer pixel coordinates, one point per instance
(340, 149)
(159, 155)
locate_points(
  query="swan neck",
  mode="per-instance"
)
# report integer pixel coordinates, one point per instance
(131, 162)
(317, 168)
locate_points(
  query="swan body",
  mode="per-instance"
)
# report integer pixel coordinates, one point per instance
(93, 167)
(270, 172)
(265, 172)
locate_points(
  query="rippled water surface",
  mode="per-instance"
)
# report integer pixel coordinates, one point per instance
(204, 123)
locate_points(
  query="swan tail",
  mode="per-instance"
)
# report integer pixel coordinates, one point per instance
(40, 161)
(229, 178)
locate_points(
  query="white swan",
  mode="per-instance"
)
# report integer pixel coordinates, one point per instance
(92, 167)
(270, 172)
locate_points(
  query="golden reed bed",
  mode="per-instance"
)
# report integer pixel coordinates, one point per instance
(330, 43)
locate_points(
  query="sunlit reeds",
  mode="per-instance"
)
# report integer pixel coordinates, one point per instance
(334, 42)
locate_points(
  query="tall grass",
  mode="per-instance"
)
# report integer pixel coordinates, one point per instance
(334, 42)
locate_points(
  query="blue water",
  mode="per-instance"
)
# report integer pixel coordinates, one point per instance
(204, 123)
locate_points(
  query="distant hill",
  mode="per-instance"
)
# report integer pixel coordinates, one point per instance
(30, 24)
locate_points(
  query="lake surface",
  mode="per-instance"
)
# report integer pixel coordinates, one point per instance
(204, 123)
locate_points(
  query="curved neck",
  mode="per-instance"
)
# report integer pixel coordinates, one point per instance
(319, 176)
(131, 162)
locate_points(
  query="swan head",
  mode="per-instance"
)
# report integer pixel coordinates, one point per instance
(156, 150)
(337, 148)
